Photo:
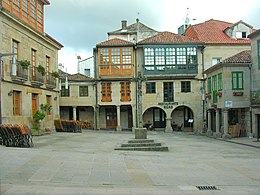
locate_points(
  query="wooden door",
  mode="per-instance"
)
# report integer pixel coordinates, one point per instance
(34, 103)
(111, 118)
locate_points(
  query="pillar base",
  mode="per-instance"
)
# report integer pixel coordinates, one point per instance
(209, 133)
(119, 128)
(217, 135)
(140, 133)
(226, 136)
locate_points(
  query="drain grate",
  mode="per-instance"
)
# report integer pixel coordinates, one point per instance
(207, 187)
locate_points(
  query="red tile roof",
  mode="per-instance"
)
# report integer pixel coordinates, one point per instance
(74, 77)
(168, 38)
(115, 42)
(240, 58)
(212, 31)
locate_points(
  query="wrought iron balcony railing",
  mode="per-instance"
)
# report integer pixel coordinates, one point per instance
(18, 73)
(36, 77)
(50, 81)
(255, 98)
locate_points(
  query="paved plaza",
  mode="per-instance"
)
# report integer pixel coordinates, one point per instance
(86, 163)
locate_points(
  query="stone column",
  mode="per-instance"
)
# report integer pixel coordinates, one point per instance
(225, 113)
(119, 128)
(217, 121)
(209, 131)
(134, 117)
(97, 117)
(218, 133)
(168, 128)
(74, 112)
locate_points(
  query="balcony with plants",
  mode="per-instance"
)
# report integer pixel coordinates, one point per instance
(51, 79)
(255, 98)
(19, 71)
(37, 75)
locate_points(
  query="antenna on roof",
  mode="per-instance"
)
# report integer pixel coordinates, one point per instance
(187, 20)
(137, 18)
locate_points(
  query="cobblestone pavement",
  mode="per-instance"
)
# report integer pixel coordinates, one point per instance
(86, 163)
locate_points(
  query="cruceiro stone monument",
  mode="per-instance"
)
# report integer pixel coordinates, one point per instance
(141, 143)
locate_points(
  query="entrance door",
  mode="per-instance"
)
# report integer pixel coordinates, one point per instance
(111, 118)
(34, 103)
(158, 118)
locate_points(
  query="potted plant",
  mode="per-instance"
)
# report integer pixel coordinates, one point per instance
(38, 116)
(41, 69)
(55, 74)
(24, 64)
(219, 94)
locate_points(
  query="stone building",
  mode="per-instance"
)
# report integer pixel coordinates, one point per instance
(77, 97)
(149, 82)
(255, 88)
(134, 33)
(169, 69)
(228, 96)
(24, 89)
(222, 39)
(115, 84)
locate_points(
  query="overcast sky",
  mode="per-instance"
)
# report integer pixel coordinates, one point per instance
(80, 24)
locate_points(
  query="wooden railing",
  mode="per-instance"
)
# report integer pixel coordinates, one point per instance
(116, 70)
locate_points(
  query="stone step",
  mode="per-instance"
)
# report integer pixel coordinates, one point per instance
(141, 144)
(141, 141)
(155, 148)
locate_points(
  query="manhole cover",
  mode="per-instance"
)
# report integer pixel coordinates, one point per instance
(207, 187)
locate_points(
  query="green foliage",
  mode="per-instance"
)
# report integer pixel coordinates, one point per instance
(55, 74)
(24, 63)
(41, 69)
(40, 114)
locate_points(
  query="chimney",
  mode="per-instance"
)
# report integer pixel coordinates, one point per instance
(124, 24)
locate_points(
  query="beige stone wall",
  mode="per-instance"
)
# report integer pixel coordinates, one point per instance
(75, 100)
(255, 70)
(116, 95)
(12, 29)
(227, 91)
(222, 51)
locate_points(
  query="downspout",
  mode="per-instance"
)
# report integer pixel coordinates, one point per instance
(251, 91)
(203, 89)
(95, 86)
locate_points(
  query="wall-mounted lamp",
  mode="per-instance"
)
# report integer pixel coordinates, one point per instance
(10, 93)
(55, 98)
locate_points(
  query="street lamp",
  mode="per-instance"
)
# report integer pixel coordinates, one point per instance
(2, 55)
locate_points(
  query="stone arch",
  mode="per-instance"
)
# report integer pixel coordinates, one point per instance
(154, 116)
(183, 116)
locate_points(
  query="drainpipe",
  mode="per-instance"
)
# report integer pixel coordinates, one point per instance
(95, 86)
(251, 91)
(203, 89)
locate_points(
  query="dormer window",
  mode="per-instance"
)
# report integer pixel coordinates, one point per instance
(241, 35)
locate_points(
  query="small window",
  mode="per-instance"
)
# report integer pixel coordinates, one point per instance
(65, 92)
(83, 91)
(241, 35)
(185, 87)
(209, 84)
(215, 61)
(150, 87)
(106, 92)
(237, 81)
(219, 81)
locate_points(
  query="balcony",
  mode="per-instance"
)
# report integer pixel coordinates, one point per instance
(123, 70)
(50, 81)
(18, 73)
(255, 98)
(36, 77)
(170, 69)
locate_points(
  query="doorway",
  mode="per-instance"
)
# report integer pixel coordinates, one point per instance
(111, 118)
